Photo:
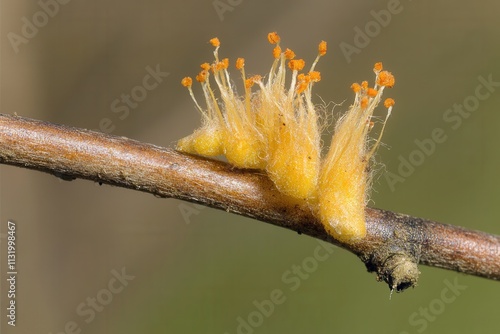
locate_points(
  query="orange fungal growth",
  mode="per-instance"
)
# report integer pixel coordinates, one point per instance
(386, 79)
(222, 65)
(315, 76)
(249, 83)
(205, 66)
(322, 48)
(296, 64)
(388, 103)
(276, 52)
(187, 82)
(371, 92)
(256, 78)
(240, 63)
(215, 42)
(289, 54)
(273, 38)
(274, 126)
(301, 86)
(202, 76)
(356, 87)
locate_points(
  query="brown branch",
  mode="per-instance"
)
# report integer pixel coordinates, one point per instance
(394, 245)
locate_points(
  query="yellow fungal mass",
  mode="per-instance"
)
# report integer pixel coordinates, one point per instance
(345, 176)
(276, 128)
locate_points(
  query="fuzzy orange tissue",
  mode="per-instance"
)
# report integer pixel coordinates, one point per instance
(275, 127)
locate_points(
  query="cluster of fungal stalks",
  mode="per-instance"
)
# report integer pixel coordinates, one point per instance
(274, 126)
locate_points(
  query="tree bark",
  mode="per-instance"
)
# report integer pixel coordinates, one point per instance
(394, 245)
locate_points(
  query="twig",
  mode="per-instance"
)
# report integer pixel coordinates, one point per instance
(395, 243)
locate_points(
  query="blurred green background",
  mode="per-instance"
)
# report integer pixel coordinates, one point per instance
(198, 270)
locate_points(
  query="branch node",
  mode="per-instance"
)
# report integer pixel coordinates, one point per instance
(398, 269)
(400, 272)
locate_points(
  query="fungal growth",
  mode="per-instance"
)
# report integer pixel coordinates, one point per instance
(274, 126)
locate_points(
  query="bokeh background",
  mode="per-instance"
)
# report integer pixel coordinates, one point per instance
(197, 270)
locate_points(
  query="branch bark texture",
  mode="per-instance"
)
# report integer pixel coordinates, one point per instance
(394, 244)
